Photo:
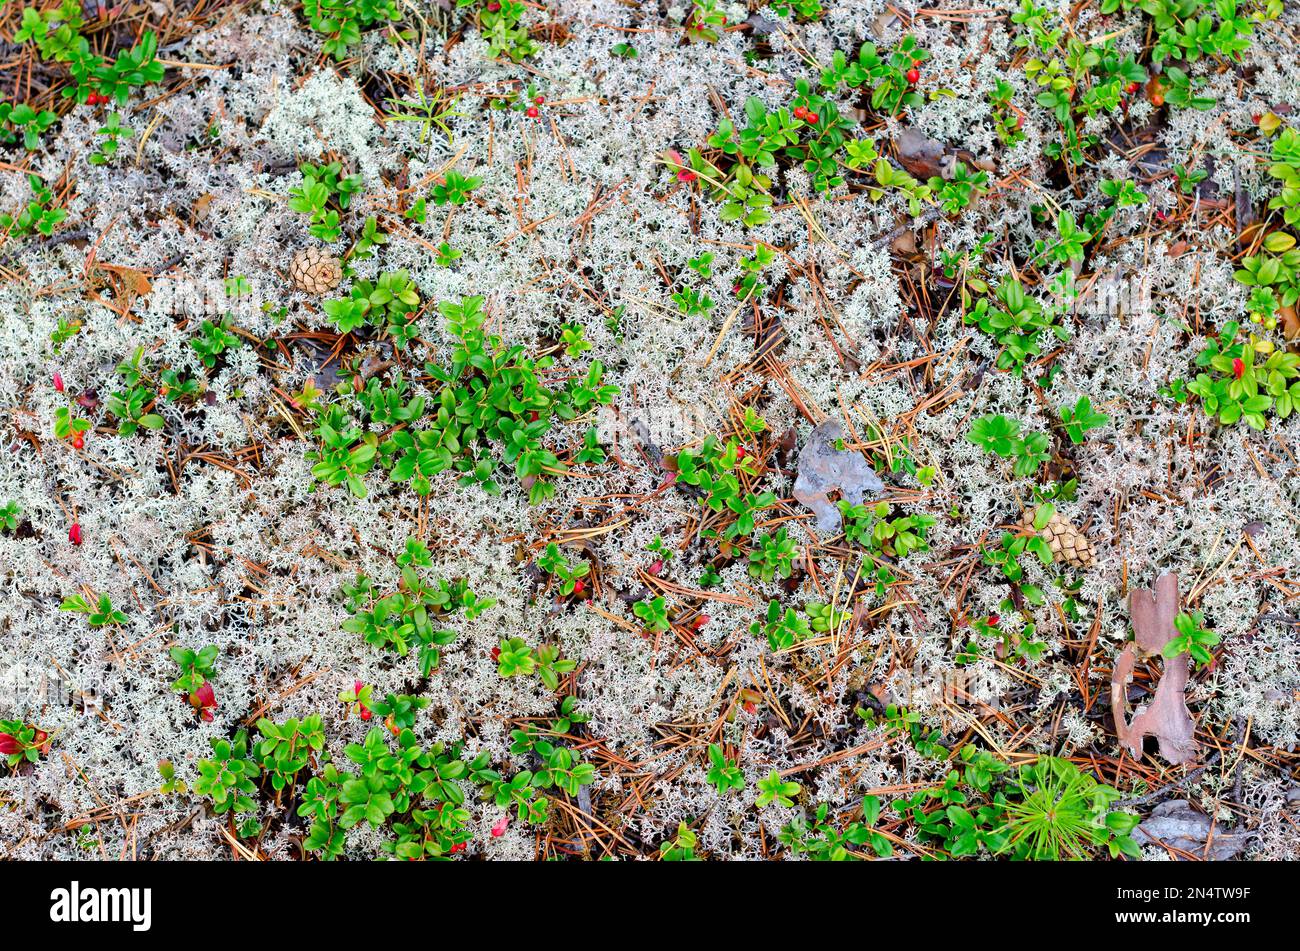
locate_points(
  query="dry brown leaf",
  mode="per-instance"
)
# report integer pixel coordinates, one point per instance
(1290, 322)
(1166, 717)
(1153, 612)
(824, 469)
(921, 155)
(1177, 825)
(201, 206)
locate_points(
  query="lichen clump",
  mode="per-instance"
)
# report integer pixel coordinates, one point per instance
(407, 443)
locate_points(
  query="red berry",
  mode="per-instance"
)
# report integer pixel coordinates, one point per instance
(657, 566)
(800, 112)
(1161, 215)
(78, 440)
(494, 7)
(1132, 88)
(992, 620)
(916, 62)
(496, 654)
(58, 381)
(1238, 367)
(579, 587)
(74, 534)
(9, 745)
(533, 112)
(811, 117)
(700, 621)
(204, 700)
(499, 829)
(458, 847)
(913, 75)
(539, 99)
(740, 453)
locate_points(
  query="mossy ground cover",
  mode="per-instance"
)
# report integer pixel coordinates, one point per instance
(442, 430)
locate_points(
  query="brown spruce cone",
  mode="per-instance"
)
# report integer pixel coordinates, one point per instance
(315, 271)
(1068, 544)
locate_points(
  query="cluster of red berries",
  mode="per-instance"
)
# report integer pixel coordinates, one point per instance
(362, 709)
(98, 99)
(807, 115)
(533, 111)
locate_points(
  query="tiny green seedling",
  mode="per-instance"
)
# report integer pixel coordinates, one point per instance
(724, 774)
(775, 791)
(99, 614)
(1192, 638)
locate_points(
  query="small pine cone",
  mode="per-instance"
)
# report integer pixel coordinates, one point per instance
(315, 271)
(1068, 544)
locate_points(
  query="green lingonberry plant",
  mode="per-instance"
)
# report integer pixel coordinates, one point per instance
(682, 846)
(1244, 389)
(132, 403)
(324, 192)
(214, 340)
(570, 576)
(773, 556)
(1006, 556)
(342, 21)
(775, 791)
(653, 614)
(406, 617)
(783, 627)
(227, 778)
(822, 841)
(21, 742)
(196, 667)
(20, 122)
(112, 130)
(1018, 322)
(1001, 436)
(1080, 418)
(724, 774)
(9, 513)
(487, 394)
(99, 614)
(456, 189)
(1192, 638)
(38, 215)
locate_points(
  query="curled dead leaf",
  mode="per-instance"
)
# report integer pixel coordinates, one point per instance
(923, 156)
(1166, 717)
(823, 469)
(1153, 612)
(1177, 825)
(1290, 321)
